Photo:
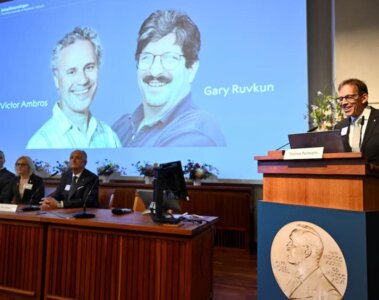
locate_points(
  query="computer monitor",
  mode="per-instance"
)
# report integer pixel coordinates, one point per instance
(169, 187)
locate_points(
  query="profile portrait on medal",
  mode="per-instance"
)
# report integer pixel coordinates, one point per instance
(307, 263)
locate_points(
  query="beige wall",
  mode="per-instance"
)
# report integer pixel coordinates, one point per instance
(344, 47)
(357, 43)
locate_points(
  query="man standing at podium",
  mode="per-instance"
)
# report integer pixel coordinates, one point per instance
(360, 130)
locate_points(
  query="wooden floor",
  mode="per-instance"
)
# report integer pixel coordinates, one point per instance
(234, 275)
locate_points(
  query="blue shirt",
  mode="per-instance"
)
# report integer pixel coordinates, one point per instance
(184, 126)
(60, 132)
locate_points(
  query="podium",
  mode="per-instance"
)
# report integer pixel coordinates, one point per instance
(339, 197)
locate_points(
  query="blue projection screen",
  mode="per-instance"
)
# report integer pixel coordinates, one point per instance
(252, 76)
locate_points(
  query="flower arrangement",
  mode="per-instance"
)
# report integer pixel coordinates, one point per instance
(199, 171)
(145, 168)
(61, 168)
(325, 112)
(41, 166)
(107, 168)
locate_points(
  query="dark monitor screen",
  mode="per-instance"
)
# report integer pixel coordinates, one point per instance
(169, 187)
(330, 140)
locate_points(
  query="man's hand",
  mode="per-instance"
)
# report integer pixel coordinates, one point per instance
(49, 203)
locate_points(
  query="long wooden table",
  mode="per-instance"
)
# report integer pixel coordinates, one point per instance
(54, 256)
(233, 203)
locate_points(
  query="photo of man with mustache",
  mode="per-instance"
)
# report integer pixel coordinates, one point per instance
(167, 62)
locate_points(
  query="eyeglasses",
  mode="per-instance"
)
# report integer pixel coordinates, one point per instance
(21, 165)
(349, 98)
(169, 60)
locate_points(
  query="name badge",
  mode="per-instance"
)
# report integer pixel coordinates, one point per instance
(67, 187)
(344, 131)
(28, 186)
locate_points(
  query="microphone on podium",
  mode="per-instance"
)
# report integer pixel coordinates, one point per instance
(55, 173)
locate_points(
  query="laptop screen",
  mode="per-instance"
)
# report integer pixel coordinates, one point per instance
(147, 197)
(330, 140)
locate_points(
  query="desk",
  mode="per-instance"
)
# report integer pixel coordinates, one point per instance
(53, 256)
(233, 203)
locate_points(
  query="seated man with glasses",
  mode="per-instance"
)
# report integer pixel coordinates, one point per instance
(167, 62)
(360, 130)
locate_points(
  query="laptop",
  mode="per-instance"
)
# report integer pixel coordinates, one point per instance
(331, 140)
(146, 197)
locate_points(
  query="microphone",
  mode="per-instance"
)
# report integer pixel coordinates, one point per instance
(84, 214)
(32, 207)
(55, 173)
(312, 129)
(121, 211)
(360, 133)
(286, 144)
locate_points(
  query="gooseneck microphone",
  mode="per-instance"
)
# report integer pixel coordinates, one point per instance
(361, 130)
(55, 173)
(84, 214)
(32, 207)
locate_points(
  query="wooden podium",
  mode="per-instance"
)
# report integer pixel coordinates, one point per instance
(339, 180)
(337, 193)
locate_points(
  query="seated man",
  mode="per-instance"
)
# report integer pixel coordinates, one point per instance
(5, 179)
(76, 187)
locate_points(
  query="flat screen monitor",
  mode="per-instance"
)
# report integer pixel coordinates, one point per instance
(239, 73)
(169, 187)
(330, 140)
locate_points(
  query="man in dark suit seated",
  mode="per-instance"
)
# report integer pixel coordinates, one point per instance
(5, 178)
(360, 130)
(76, 186)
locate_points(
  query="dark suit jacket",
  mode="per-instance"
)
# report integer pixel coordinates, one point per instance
(5, 180)
(86, 189)
(370, 142)
(31, 196)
